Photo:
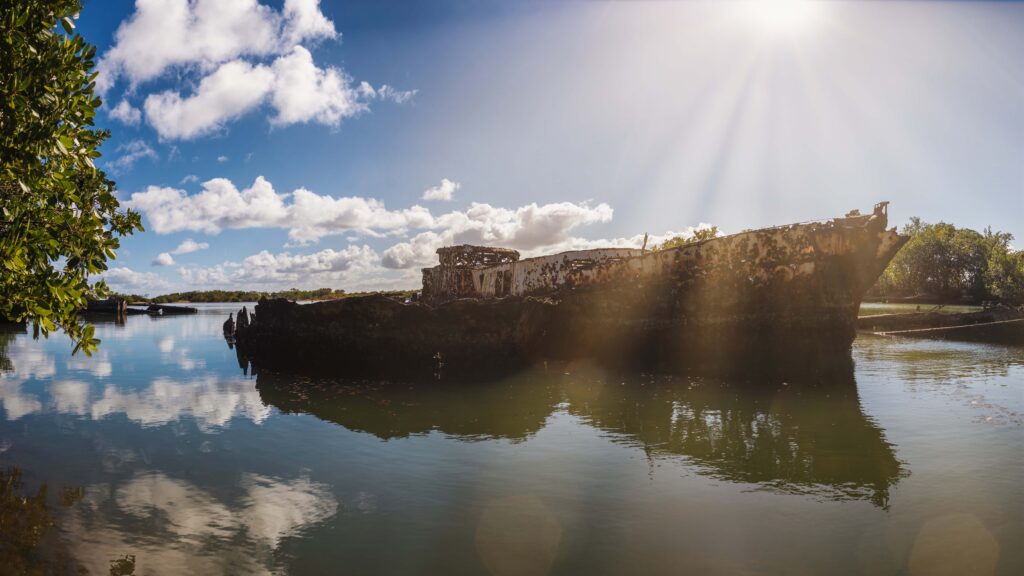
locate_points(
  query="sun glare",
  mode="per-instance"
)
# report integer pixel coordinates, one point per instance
(780, 16)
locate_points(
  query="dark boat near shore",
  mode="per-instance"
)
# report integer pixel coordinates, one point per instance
(787, 293)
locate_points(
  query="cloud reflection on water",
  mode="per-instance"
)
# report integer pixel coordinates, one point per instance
(211, 402)
(189, 529)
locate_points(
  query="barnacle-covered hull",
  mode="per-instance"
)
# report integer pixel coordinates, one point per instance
(785, 295)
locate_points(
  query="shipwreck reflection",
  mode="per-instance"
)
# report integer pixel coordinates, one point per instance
(796, 437)
(513, 408)
(789, 437)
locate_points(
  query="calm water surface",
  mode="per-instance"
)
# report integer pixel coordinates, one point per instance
(161, 448)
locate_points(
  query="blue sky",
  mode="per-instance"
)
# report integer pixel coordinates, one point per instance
(278, 144)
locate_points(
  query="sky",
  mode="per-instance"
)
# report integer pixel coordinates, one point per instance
(297, 143)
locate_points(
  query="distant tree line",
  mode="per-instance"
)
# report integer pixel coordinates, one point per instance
(255, 295)
(237, 295)
(953, 264)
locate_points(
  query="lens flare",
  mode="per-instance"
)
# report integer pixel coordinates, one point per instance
(780, 16)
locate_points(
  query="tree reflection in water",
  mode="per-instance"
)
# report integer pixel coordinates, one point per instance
(8, 332)
(29, 538)
(809, 437)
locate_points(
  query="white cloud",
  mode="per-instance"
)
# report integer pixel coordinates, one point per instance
(222, 159)
(220, 205)
(442, 191)
(303, 92)
(304, 20)
(295, 87)
(232, 90)
(163, 259)
(308, 217)
(122, 279)
(386, 92)
(419, 252)
(530, 227)
(231, 43)
(131, 152)
(189, 245)
(314, 216)
(126, 113)
(164, 34)
(323, 268)
(189, 178)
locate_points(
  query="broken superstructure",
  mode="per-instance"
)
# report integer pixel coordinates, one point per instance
(760, 294)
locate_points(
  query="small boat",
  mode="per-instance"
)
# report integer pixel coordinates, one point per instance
(165, 310)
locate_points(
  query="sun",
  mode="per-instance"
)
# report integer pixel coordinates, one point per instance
(781, 16)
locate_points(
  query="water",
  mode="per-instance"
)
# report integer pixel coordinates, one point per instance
(160, 456)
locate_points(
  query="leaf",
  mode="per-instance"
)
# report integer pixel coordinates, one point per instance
(67, 24)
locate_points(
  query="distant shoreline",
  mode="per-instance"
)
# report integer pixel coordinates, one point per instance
(244, 296)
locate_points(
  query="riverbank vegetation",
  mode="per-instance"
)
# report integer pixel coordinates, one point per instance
(943, 263)
(200, 296)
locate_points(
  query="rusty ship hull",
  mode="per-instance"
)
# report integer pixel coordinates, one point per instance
(785, 294)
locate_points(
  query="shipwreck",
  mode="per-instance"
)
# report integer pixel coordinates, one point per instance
(782, 294)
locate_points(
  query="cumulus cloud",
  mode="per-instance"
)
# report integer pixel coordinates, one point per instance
(302, 92)
(308, 216)
(442, 191)
(231, 43)
(164, 34)
(326, 267)
(220, 205)
(163, 259)
(530, 227)
(189, 245)
(122, 279)
(126, 113)
(130, 153)
(232, 90)
(298, 90)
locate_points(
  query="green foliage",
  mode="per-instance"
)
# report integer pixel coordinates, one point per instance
(1004, 276)
(954, 263)
(59, 218)
(699, 235)
(247, 295)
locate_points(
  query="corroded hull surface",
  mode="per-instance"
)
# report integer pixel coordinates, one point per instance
(780, 294)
